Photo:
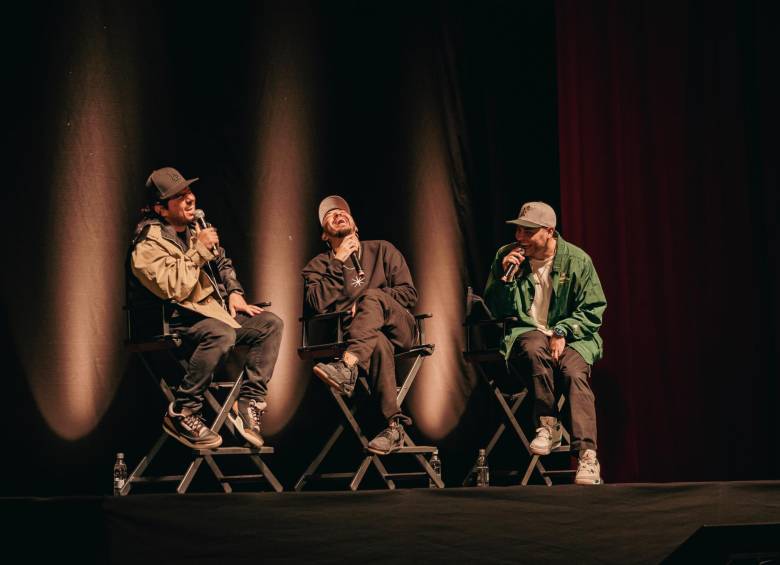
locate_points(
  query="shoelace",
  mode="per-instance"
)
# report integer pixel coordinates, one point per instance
(194, 422)
(348, 369)
(543, 431)
(389, 432)
(588, 464)
(255, 413)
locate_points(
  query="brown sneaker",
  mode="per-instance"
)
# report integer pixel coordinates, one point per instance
(390, 439)
(338, 375)
(189, 428)
(249, 412)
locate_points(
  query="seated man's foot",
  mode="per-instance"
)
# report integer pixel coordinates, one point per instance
(189, 428)
(390, 439)
(338, 375)
(249, 412)
(548, 436)
(588, 469)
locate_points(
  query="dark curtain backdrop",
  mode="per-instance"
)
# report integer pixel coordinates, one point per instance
(436, 120)
(668, 143)
(431, 118)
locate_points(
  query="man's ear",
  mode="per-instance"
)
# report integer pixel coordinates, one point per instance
(159, 209)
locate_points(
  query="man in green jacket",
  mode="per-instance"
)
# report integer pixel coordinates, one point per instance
(552, 288)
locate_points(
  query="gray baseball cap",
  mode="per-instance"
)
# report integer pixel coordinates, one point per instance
(331, 202)
(167, 183)
(535, 215)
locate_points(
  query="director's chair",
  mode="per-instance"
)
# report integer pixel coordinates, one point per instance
(149, 334)
(322, 338)
(484, 335)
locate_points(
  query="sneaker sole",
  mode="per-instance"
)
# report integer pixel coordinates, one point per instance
(588, 482)
(378, 452)
(184, 441)
(544, 452)
(247, 435)
(324, 377)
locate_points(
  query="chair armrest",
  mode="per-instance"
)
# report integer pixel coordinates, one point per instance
(324, 316)
(497, 322)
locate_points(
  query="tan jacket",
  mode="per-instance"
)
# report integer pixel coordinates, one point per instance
(172, 274)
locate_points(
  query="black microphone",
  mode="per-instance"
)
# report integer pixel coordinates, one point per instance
(200, 217)
(509, 274)
(356, 264)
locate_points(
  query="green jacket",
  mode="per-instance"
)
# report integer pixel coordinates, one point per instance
(577, 304)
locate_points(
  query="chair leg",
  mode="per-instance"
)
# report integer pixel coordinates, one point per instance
(218, 474)
(314, 465)
(189, 475)
(269, 476)
(144, 463)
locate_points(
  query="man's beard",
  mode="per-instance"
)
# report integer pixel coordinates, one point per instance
(343, 232)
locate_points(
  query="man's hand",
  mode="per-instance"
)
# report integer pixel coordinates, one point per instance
(207, 237)
(557, 344)
(514, 257)
(349, 245)
(236, 304)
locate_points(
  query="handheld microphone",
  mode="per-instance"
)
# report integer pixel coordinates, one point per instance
(356, 264)
(511, 270)
(200, 217)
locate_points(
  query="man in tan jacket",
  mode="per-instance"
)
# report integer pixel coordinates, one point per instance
(176, 260)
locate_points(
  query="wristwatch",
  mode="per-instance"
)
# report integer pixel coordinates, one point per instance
(560, 332)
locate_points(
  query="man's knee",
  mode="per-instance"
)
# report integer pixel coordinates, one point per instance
(574, 370)
(275, 323)
(269, 322)
(371, 294)
(534, 345)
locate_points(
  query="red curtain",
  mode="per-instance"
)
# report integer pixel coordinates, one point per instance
(667, 124)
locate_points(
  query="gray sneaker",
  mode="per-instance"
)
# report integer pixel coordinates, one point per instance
(390, 439)
(588, 469)
(249, 412)
(548, 436)
(338, 375)
(189, 428)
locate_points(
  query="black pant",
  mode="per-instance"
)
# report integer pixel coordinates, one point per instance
(209, 340)
(379, 326)
(531, 352)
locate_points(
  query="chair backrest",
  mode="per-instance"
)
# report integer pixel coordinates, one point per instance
(322, 335)
(484, 333)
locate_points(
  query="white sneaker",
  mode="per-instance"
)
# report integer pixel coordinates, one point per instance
(588, 469)
(548, 436)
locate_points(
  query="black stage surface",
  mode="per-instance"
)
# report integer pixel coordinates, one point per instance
(625, 523)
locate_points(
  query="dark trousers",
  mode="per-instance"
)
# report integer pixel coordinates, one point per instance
(379, 326)
(568, 376)
(208, 340)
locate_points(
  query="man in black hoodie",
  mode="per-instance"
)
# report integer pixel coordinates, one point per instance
(378, 302)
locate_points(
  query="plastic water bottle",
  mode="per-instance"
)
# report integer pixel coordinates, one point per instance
(482, 470)
(435, 463)
(120, 474)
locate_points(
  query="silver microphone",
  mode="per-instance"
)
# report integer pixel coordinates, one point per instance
(200, 217)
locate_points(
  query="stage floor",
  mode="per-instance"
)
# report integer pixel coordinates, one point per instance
(623, 523)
